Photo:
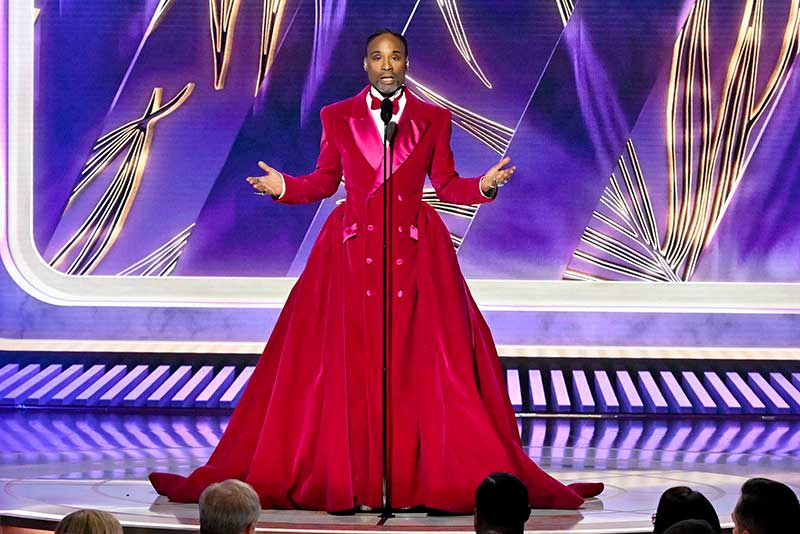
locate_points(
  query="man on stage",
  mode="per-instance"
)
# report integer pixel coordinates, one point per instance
(307, 432)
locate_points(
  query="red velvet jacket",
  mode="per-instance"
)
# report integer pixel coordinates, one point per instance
(351, 146)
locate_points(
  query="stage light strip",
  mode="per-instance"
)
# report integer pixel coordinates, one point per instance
(158, 16)
(101, 228)
(410, 17)
(695, 207)
(452, 19)
(789, 51)
(223, 23)
(685, 231)
(565, 9)
(736, 119)
(572, 274)
(493, 134)
(638, 220)
(506, 351)
(622, 251)
(270, 26)
(168, 254)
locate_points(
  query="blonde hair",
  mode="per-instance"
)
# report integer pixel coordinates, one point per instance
(89, 522)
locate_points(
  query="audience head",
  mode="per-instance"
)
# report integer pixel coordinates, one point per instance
(681, 503)
(501, 505)
(765, 507)
(89, 522)
(690, 526)
(230, 507)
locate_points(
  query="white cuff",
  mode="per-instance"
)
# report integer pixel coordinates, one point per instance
(283, 182)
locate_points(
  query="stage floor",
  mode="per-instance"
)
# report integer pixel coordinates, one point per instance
(54, 463)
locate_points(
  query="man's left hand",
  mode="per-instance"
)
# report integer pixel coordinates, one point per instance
(497, 176)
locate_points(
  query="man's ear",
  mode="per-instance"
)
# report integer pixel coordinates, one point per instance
(251, 529)
(407, 63)
(365, 63)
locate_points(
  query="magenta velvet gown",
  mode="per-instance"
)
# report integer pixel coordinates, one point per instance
(306, 433)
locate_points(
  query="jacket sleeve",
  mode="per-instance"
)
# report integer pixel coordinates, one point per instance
(450, 187)
(324, 181)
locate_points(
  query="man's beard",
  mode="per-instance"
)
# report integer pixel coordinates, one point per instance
(389, 94)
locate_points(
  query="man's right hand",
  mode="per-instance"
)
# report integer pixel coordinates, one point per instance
(270, 184)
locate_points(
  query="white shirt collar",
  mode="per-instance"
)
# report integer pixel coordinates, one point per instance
(400, 92)
(398, 95)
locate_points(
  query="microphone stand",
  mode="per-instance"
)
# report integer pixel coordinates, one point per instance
(389, 129)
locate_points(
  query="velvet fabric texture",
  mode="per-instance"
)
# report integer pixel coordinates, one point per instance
(307, 431)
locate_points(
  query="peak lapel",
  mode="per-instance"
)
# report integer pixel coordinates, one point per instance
(365, 135)
(410, 129)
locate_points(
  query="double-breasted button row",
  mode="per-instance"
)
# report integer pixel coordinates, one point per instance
(371, 228)
(399, 293)
(398, 261)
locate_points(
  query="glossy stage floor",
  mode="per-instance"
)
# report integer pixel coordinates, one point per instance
(55, 462)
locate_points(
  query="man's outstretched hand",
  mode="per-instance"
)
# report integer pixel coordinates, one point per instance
(269, 184)
(497, 176)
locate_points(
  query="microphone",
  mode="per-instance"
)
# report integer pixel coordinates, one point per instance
(386, 110)
(391, 130)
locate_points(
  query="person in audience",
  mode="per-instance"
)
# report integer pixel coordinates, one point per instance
(229, 507)
(681, 503)
(501, 505)
(766, 507)
(690, 526)
(89, 522)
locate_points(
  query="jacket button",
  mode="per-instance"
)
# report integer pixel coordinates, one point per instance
(370, 228)
(369, 292)
(369, 260)
(400, 229)
(398, 261)
(399, 198)
(400, 293)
